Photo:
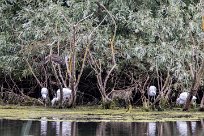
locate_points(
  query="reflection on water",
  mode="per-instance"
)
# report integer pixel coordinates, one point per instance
(65, 128)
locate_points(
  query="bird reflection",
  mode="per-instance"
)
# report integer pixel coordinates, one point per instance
(43, 127)
(66, 128)
(58, 127)
(152, 128)
(182, 128)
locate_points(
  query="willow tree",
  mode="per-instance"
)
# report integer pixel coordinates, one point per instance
(11, 63)
(152, 37)
(158, 40)
(197, 65)
(45, 28)
(176, 32)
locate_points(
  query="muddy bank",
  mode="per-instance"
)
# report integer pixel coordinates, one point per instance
(95, 114)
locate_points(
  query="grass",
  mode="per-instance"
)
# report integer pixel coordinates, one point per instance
(96, 114)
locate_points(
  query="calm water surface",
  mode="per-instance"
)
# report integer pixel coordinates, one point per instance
(64, 128)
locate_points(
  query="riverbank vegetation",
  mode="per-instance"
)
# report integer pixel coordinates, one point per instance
(86, 114)
(99, 48)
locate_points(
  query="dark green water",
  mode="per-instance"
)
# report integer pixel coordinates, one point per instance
(52, 128)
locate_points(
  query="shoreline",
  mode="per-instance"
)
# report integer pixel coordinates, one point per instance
(95, 114)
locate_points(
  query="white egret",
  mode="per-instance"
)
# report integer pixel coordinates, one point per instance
(152, 91)
(183, 97)
(44, 93)
(66, 95)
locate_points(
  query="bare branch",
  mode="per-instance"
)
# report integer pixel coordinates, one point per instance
(96, 28)
(68, 71)
(56, 76)
(143, 88)
(60, 74)
(82, 67)
(84, 18)
(33, 73)
(45, 76)
(191, 70)
(166, 81)
(110, 71)
(114, 34)
(193, 59)
(199, 75)
(86, 51)
(94, 64)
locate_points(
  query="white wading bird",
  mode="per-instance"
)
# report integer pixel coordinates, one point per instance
(66, 95)
(152, 91)
(44, 93)
(182, 98)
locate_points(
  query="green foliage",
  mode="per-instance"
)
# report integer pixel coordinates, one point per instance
(150, 34)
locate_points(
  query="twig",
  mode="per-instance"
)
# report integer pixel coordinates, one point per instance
(82, 67)
(56, 76)
(33, 73)
(115, 28)
(45, 76)
(106, 79)
(84, 18)
(60, 74)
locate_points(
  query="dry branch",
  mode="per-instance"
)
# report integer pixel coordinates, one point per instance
(38, 81)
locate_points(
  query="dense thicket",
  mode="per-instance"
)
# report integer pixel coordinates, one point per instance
(108, 44)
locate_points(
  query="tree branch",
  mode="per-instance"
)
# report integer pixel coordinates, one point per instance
(108, 75)
(33, 73)
(115, 29)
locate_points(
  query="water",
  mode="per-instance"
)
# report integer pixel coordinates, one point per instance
(65, 128)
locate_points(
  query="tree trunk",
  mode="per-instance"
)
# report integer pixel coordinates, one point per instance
(73, 97)
(202, 104)
(106, 102)
(189, 99)
(73, 69)
(195, 87)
